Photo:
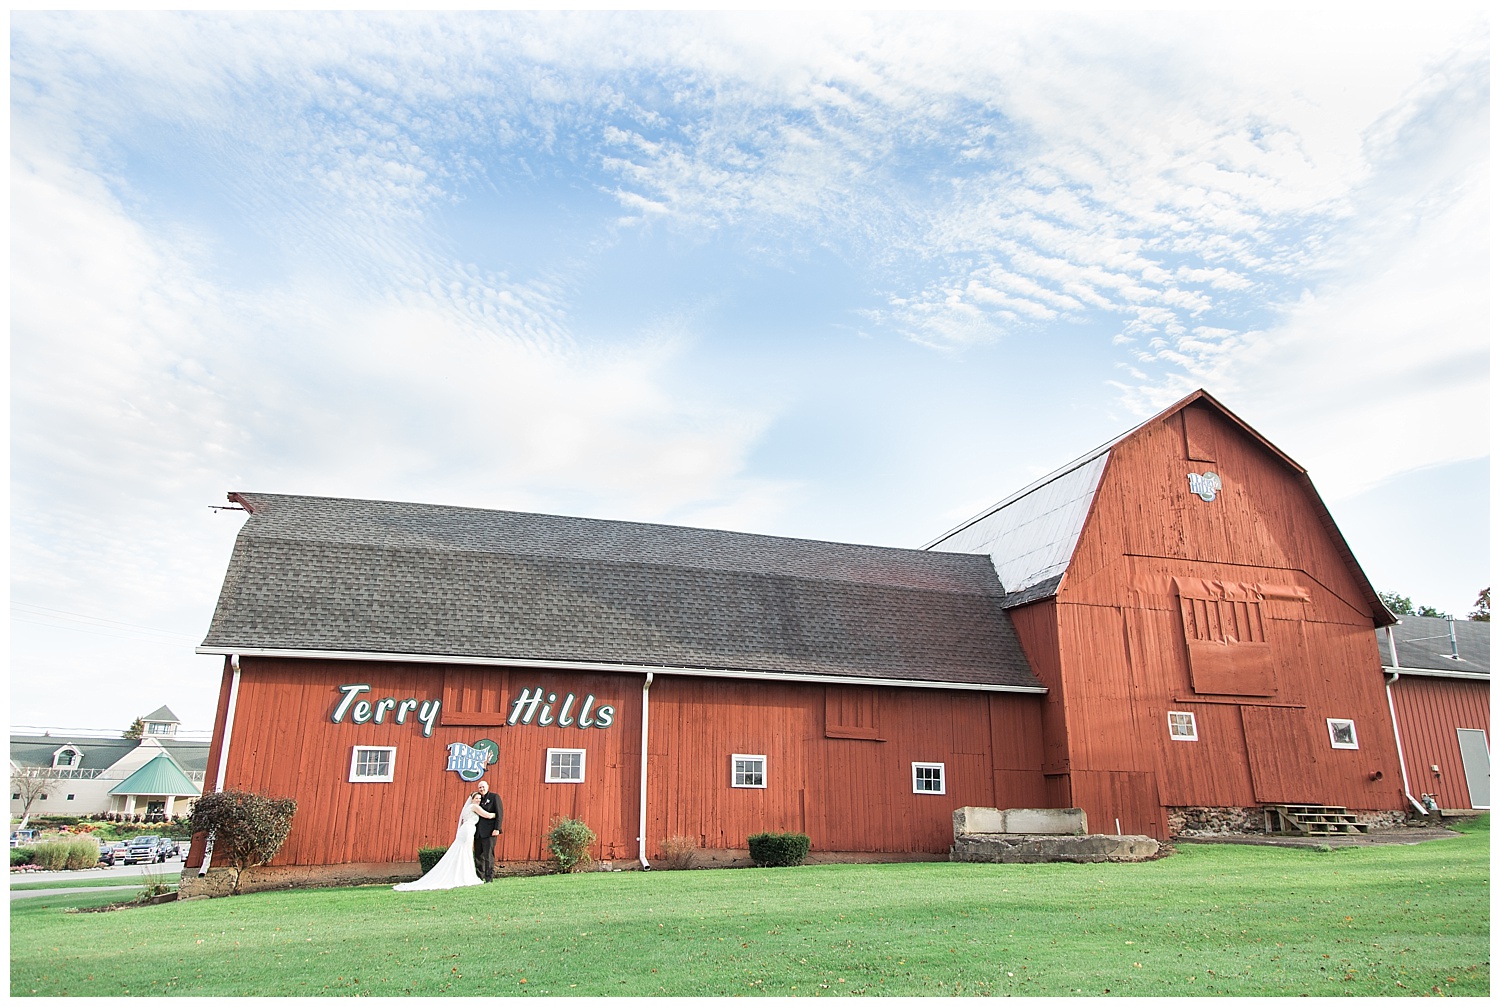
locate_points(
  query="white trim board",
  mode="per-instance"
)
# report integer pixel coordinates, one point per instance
(633, 669)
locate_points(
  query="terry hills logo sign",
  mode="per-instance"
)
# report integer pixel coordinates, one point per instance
(469, 761)
(1206, 485)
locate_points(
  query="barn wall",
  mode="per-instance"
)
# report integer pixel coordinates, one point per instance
(1124, 654)
(848, 794)
(1429, 711)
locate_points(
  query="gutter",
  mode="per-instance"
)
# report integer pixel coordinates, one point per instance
(645, 733)
(1400, 755)
(234, 695)
(630, 669)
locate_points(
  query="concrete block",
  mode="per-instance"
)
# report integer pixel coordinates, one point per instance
(1046, 821)
(969, 821)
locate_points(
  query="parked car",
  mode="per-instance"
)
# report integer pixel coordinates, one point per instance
(147, 850)
(111, 854)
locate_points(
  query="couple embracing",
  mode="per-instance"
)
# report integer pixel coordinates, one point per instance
(471, 858)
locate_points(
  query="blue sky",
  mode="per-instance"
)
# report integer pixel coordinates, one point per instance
(841, 277)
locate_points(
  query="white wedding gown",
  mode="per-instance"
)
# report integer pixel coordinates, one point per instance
(456, 869)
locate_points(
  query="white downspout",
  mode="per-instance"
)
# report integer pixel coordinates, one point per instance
(645, 736)
(1400, 755)
(234, 695)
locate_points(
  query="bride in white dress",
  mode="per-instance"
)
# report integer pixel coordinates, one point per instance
(456, 869)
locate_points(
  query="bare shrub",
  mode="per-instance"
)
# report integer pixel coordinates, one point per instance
(678, 853)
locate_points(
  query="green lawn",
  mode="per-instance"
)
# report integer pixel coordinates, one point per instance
(1395, 920)
(99, 881)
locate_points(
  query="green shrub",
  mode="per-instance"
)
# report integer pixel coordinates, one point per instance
(66, 854)
(779, 849)
(21, 855)
(428, 856)
(569, 840)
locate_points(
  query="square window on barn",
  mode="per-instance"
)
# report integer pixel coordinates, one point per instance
(1341, 733)
(1182, 726)
(371, 764)
(749, 771)
(928, 778)
(565, 765)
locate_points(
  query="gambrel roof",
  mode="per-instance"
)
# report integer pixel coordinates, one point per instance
(318, 576)
(1030, 535)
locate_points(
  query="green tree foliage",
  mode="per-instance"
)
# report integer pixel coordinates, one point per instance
(135, 730)
(1399, 604)
(245, 827)
(1481, 611)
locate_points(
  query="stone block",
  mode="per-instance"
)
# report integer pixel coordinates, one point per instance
(968, 821)
(1043, 849)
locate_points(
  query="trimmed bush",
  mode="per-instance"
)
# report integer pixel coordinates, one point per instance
(677, 853)
(247, 828)
(21, 855)
(428, 856)
(779, 849)
(568, 841)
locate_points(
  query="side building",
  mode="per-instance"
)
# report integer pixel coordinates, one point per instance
(155, 777)
(1438, 682)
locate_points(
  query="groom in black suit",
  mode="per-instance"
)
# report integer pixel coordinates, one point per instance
(490, 813)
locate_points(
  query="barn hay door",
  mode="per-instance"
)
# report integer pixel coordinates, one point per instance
(1283, 766)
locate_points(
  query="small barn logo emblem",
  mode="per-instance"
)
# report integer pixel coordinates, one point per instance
(468, 761)
(1206, 485)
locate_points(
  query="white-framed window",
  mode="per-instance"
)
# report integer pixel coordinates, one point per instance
(1182, 725)
(66, 757)
(748, 771)
(1341, 733)
(928, 778)
(155, 728)
(565, 765)
(372, 764)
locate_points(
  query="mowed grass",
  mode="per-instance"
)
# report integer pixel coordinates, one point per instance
(1233, 920)
(98, 881)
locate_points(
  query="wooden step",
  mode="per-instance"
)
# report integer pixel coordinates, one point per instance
(1312, 820)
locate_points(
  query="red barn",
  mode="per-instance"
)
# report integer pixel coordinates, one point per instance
(1169, 633)
(1201, 626)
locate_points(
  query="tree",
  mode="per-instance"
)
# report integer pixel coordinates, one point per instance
(31, 785)
(1432, 613)
(247, 828)
(1399, 604)
(1481, 611)
(135, 730)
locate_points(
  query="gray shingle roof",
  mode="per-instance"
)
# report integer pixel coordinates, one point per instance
(313, 573)
(30, 750)
(1422, 642)
(162, 715)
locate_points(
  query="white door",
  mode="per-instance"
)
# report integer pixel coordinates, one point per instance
(1476, 755)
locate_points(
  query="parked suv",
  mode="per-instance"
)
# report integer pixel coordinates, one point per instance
(147, 850)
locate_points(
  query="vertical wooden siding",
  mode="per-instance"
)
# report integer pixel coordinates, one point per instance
(1429, 711)
(847, 794)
